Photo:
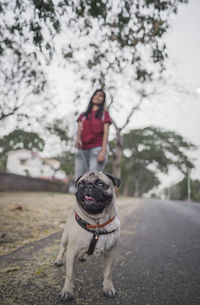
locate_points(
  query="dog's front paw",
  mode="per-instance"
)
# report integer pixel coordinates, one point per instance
(83, 257)
(66, 296)
(58, 263)
(109, 292)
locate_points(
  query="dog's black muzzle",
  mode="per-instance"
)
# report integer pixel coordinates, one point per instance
(92, 199)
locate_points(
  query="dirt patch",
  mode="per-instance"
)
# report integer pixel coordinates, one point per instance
(29, 216)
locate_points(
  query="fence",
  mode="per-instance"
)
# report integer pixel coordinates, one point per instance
(14, 182)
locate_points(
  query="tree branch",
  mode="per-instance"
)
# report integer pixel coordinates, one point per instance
(137, 107)
(3, 115)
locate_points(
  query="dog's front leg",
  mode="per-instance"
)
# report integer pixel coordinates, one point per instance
(63, 246)
(67, 291)
(108, 289)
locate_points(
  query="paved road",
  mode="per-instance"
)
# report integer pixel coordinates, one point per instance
(164, 267)
(158, 262)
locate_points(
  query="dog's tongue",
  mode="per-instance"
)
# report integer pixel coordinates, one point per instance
(89, 198)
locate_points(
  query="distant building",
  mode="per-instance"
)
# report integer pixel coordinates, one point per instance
(29, 163)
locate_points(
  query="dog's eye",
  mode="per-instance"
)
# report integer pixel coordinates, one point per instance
(100, 184)
(79, 185)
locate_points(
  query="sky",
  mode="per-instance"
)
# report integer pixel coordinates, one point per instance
(175, 111)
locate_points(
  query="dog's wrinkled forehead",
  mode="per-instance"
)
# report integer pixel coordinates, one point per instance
(92, 176)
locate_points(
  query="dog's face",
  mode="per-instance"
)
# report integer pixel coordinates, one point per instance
(95, 190)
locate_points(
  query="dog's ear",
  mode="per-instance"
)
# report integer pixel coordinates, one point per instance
(116, 181)
(78, 180)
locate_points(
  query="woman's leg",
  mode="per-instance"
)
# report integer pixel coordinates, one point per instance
(81, 163)
(94, 164)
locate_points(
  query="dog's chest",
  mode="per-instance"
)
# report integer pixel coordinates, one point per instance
(106, 242)
(86, 243)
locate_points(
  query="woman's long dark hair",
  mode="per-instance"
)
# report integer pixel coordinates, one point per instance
(99, 112)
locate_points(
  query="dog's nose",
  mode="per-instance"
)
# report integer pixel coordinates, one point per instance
(89, 186)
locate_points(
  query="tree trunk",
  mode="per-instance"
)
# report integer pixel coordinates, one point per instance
(116, 162)
(136, 188)
(117, 154)
(126, 187)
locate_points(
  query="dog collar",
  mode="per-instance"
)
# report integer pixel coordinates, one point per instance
(94, 229)
(87, 226)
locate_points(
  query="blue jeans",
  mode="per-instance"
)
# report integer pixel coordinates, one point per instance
(87, 160)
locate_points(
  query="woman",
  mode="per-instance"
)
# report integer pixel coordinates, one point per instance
(92, 138)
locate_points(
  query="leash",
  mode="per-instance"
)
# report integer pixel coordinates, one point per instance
(94, 229)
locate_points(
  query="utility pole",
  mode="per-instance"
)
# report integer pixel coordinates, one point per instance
(188, 184)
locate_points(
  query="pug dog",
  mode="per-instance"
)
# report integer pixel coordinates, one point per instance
(93, 228)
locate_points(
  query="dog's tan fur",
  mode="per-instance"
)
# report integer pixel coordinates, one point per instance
(75, 240)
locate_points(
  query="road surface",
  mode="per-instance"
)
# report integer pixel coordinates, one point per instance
(158, 262)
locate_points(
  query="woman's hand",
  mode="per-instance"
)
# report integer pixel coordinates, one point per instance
(102, 156)
(78, 143)
(103, 152)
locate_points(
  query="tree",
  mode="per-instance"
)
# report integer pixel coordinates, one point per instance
(179, 190)
(61, 129)
(125, 39)
(22, 75)
(150, 150)
(19, 139)
(138, 182)
(111, 38)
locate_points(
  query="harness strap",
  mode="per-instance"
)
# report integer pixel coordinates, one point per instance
(93, 242)
(95, 233)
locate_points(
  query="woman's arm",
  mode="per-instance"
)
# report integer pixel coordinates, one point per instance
(102, 154)
(78, 143)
